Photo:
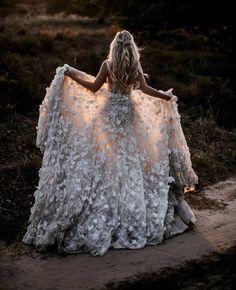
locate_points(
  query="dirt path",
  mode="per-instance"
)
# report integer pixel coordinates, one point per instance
(215, 231)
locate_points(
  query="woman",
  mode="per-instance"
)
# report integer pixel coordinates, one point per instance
(115, 160)
(122, 69)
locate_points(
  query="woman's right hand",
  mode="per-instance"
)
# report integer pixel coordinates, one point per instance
(174, 98)
(170, 94)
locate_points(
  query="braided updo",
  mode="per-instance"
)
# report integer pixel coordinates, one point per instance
(124, 60)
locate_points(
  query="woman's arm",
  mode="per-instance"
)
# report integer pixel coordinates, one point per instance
(146, 89)
(96, 84)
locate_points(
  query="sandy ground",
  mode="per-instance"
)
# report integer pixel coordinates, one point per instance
(214, 232)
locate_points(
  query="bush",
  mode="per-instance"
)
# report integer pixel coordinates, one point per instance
(17, 84)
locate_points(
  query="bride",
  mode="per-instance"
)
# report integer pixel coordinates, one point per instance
(115, 165)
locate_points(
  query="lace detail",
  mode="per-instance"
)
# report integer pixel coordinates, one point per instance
(110, 161)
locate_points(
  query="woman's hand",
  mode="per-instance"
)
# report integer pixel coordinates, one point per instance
(174, 98)
(67, 73)
(170, 94)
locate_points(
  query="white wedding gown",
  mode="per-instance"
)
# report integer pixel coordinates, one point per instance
(112, 172)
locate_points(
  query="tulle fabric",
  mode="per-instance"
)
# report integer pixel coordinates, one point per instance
(112, 171)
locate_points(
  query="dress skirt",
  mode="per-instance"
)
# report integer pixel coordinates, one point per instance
(113, 170)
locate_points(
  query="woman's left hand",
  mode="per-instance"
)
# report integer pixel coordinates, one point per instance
(67, 73)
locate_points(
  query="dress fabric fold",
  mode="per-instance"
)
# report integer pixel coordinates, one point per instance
(112, 171)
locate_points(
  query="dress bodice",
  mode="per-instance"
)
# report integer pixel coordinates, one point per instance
(120, 90)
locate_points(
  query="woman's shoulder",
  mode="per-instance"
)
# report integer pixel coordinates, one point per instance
(105, 65)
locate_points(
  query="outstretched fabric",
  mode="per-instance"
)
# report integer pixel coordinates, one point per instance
(112, 171)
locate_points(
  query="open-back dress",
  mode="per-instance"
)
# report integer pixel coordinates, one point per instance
(113, 170)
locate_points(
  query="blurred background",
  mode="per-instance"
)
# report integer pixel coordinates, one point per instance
(186, 45)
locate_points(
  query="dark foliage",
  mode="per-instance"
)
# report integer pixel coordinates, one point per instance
(152, 14)
(215, 271)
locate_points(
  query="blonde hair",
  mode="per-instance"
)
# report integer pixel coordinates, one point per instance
(123, 60)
